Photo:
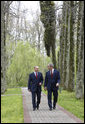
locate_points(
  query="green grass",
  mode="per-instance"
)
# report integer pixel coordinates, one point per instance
(13, 91)
(12, 107)
(68, 101)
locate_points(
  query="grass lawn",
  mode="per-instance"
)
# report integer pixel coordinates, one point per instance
(12, 107)
(13, 91)
(68, 101)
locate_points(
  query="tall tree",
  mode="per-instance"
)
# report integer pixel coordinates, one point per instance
(66, 46)
(3, 81)
(67, 39)
(80, 51)
(71, 49)
(62, 33)
(39, 30)
(48, 18)
(4, 21)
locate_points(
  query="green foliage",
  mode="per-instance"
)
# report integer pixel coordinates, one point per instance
(12, 108)
(22, 64)
(48, 18)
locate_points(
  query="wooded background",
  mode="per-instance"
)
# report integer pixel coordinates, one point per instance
(55, 34)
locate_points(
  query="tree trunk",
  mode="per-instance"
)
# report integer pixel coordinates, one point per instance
(4, 24)
(71, 50)
(66, 48)
(3, 49)
(62, 45)
(80, 52)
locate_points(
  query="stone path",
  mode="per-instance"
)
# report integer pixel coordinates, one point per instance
(43, 115)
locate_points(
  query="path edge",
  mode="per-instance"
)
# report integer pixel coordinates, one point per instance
(27, 118)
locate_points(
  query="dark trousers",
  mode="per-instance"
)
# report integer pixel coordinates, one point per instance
(36, 94)
(55, 97)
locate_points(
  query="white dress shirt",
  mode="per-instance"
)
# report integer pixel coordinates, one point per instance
(35, 73)
(52, 71)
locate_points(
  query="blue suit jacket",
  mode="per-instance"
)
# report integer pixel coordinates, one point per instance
(33, 83)
(50, 83)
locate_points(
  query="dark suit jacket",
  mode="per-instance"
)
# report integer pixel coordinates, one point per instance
(50, 83)
(33, 83)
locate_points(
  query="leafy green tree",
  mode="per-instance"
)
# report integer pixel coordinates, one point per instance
(48, 18)
(22, 64)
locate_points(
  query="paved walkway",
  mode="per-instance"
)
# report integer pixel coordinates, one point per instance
(43, 115)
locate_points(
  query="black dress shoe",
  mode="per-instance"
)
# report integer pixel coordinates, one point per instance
(50, 109)
(37, 107)
(54, 107)
(34, 109)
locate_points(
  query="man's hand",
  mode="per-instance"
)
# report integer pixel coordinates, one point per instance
(40, 84)
(57, 84)
(45, 88)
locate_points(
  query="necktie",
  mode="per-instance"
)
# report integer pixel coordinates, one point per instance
(51, 74)
(36, 75)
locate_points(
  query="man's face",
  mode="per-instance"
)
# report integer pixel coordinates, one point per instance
(51, 67)
(36, 69)
(48, 67)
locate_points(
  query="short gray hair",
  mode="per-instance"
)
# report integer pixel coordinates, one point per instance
(51, 65)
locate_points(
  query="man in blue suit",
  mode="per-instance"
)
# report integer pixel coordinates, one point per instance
(52, 80)
(34, 86)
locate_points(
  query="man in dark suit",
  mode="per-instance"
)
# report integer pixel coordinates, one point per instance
(52, 80)
(34, 85)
